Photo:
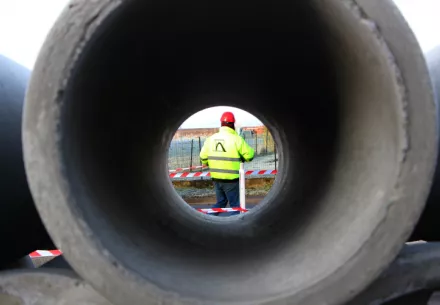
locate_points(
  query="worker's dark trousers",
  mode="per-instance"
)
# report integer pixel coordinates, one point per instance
(227, 191)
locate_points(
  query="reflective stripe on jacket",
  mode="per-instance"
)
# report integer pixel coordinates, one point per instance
(223, 152)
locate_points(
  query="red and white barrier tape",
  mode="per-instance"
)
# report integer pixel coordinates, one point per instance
(207, 174)
(221, 210)
(187, 168)
(45, 253)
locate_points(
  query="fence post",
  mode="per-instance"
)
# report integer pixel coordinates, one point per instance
(256, 143)
(267, 140)
(191, 160)
(242, 187)
(200, 149)
(275, 153)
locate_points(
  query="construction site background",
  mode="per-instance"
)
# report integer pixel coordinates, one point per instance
(186, 145)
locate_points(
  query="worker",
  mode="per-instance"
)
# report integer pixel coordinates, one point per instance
(223, 152)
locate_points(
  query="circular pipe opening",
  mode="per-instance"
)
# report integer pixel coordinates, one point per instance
(195, 182)
(317, 73)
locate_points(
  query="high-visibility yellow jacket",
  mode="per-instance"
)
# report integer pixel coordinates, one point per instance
(223, 152)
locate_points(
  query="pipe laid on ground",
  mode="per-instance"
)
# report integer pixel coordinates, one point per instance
(416, 269)
(417, 298)
(427, 228)
(46, 286)
(21, 229)
(343, 87)
(435, 299)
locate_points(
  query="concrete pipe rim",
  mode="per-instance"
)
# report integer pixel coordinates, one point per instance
(350, 161)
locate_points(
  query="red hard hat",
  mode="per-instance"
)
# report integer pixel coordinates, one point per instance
(228, 117)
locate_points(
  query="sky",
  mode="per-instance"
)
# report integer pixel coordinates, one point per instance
(24, 25)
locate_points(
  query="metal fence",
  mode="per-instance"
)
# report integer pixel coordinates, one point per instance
(184, 152)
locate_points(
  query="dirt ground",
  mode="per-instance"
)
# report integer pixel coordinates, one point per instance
(196, 193)
(212, 200)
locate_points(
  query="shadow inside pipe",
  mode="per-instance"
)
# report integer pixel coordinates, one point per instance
(168, 69)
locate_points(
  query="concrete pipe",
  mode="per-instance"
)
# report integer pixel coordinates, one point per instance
(416, 270)
(435, 299)
(417, 298)
(341, 84)
(46, 286)
(427, 228)
(21, 229)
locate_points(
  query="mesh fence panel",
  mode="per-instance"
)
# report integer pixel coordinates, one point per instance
(184, 151)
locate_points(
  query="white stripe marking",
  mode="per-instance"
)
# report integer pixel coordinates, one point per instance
(44, 253)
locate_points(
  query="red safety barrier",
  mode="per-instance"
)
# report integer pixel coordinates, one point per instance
(221, 210)
(45, 253)
(187, 168)
(207, 174)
